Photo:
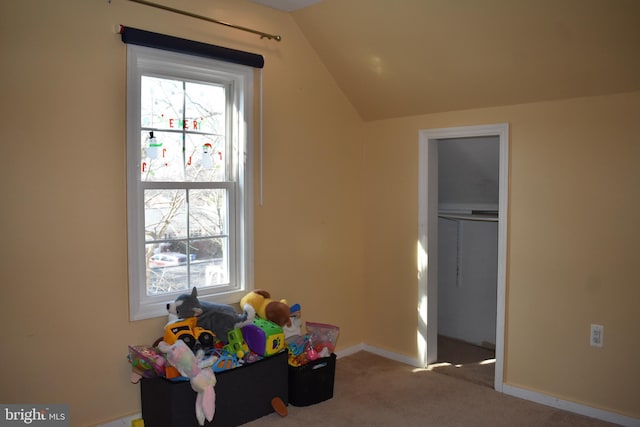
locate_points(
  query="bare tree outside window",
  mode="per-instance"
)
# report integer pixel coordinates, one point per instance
(183, 143)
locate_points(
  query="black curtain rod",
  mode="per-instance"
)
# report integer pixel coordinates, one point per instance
(204, 18)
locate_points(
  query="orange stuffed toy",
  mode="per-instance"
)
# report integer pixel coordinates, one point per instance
(277, 312)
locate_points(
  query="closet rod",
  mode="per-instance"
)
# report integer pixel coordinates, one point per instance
(204, 18)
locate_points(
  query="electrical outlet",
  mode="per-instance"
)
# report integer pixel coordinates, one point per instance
(597, 335)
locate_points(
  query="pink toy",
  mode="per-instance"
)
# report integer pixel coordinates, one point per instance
(311, 352)
(145, 362)
(200, 375)
(323, 337)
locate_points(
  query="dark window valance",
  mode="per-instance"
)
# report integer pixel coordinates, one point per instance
(179, 45)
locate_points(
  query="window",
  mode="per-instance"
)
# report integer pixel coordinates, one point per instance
(189, 178)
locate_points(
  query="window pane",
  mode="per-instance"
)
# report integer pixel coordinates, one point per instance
(210, 266)
(187, 241)
(167, 268)
(165, 215)
(205, 108)
(161, 103)
(162, 157)
(208, 213)
(171, 269)
(205, 155)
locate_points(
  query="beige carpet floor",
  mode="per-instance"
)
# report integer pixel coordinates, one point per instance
(374, 391)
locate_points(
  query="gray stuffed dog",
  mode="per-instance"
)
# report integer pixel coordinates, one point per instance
(218, 318)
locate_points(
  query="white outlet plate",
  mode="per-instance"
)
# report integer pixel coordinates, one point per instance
(597, 335)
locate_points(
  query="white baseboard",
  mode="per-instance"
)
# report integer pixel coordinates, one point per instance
(350, 350)
(566, 405)
(380, 352)
(532, 396)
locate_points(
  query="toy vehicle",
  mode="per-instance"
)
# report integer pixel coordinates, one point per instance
(188, 331)
(237, 345)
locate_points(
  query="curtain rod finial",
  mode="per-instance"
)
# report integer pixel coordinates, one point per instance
(270, 37)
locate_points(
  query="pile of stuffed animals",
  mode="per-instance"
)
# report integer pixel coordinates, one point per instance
(202, 338)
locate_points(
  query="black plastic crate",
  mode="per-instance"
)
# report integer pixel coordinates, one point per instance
(313, 382)
(242, 395)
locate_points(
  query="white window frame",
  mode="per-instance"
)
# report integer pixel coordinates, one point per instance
(160, 63)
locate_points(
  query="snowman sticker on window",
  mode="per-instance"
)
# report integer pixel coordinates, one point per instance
(207, 162)
(153, 146)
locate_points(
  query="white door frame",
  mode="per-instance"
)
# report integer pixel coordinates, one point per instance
(428, 237)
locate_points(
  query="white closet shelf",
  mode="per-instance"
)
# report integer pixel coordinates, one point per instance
(469, 216)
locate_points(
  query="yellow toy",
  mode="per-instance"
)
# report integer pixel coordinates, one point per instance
(277, 312)
(188, 331)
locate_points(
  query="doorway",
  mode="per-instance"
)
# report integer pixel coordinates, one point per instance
(428, 242)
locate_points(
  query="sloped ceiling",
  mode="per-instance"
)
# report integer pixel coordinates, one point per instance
(408, 57)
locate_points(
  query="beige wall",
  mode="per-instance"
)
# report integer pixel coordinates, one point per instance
(63, 260)
(572, 236)
(572, 243)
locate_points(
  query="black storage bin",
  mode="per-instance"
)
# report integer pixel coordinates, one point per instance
(242, 395)
(313, 382)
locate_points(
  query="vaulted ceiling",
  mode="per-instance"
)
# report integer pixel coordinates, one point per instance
(408, 57)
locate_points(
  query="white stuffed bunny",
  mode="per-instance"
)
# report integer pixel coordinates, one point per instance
(202, 378)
